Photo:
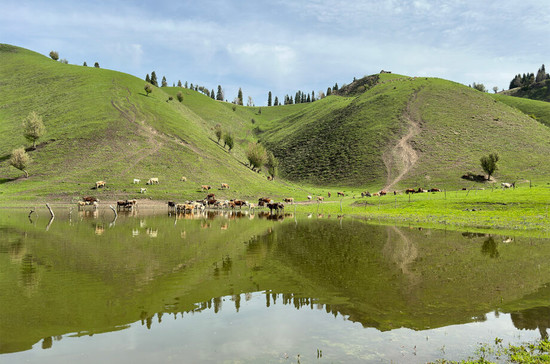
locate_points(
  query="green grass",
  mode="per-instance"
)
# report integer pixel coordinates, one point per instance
(538, 110)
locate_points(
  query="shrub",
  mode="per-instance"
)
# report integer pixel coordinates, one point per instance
(218, 132)
(170, 98)
(228, 140)
(234, 107)
(148, 88)
(20, 160)
(54, 55)
(256, 155)
(96, 65)
(180, 96)
(33, 128)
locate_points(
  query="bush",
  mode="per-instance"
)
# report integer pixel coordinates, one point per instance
(170, 98)
(33, 128)
(20, 160)
(234, 107)
(96, 65)
(228, 140)
(54, 55)
(148, 88)
(180, 96)
(256, 155)
(218, 132)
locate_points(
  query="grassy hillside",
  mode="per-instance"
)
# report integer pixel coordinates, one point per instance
(389, 131)
(101, 125)
(538, 110)
(538, 91)
(407, 132)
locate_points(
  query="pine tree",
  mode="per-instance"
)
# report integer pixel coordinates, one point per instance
(186, 85)
(308, 98)
(269, 98)
(212, 95)
(219, 95)
(85, 64)
(541, 74)
(297, 97)
(164, 83)
(329, 91)
(191, 87)
(276, 103)
(179, 83)
(312, 96)
(240, 97)
(290, 101)
(335, 88)
(154, 79)
(147, 79)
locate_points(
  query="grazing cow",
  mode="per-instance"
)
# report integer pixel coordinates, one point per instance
(275, 206)
(320, 198)
(205, 187)
(225, 186)
(410, 190)
(382, 193)
(270, 178)
(183, 179)
(240, 203)
(99, 184)
(309, 197)
(340, 194)
(290, 200)
(153, 181)
(136, 181)
(89, 199)
(366, 194)
(329, 194)
(264, 200)
(508, 185)
(142, 190)
(434, 190)
(394, 193)
(464, 188)
(210, 196)
(376, 194)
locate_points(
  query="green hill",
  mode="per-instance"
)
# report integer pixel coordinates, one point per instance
(537, 91)
(381, 131)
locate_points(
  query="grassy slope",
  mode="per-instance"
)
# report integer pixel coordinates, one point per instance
(350, 136)
(102, 126)
(537, 91)
(539, 110)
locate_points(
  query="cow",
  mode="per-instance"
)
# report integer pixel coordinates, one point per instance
(376, 194)
(210, 196)
(126, 204)
(270, 178)
(275, 206)
(320, 198)
(410, 190)
(142, 190)
(183, 179)
(309, 197)
(89, 199)
(434, 190)
(136, 181)
(81, 204)
(329, 194)
(289, 200)
(205, 187)
(225, 186)
(99, 184)
(508, 185)
(240, 203)
(382, 193)
(263, 200)
(153, 181)
(171, 205)
(340, 194)
(366, 194)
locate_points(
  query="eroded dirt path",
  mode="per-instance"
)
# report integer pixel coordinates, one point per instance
(403, 155)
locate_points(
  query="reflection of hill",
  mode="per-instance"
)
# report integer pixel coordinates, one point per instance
(533, 319)
(70, 279)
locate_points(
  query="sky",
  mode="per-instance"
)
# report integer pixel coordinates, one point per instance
(284, 46)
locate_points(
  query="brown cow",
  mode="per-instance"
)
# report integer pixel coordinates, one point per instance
(263, 200)
(205, 187)
(275, 206)
(290, 200)
(210, 196)
(383, 193)
(410, 190)
(225, 186)
(320, 198)
(340, 194)
(99, 184)
(329, 194)
(434, 190)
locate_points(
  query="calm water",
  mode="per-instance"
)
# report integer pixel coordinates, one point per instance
(159, 288)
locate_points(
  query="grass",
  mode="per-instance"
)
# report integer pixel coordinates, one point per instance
(538, 110)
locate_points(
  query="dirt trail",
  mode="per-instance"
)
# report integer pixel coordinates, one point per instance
(403, 154)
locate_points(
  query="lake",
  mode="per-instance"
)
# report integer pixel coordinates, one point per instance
(222, 287)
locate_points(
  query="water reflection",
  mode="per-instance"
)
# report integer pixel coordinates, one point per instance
(102, 277)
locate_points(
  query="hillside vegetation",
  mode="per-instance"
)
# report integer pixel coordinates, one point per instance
(381, 131)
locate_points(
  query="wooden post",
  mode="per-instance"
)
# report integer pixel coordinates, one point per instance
(445, 194)
(409, 197)
(51, 212)
(341, 204)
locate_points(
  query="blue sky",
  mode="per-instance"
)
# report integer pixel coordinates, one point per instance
(284, 46)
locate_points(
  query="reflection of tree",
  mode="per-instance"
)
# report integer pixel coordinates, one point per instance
(401, 252)
(47, 342)
(532, 319)
(490, 247)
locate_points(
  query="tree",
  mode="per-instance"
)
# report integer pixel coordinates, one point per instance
(212, 95)
(186, 85)
(218, 132)
(85, 64)
(148, 88)
(179, 83)
(154, 81)
(180, 96)
(33, 128)
(240, 97)
(164, 83)
(64, 61)
(276, 103)
(479, 87)
(329, 91)
(54, 55)
(228, 140)
(489, 164)
(495, 89)
(20, 160)
(256, 155)
(541, 74)
(147, 78)
(250, 102)
(272, 164)
(219, 95)
(96, 65)
(269, 98)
